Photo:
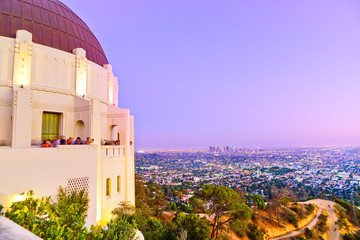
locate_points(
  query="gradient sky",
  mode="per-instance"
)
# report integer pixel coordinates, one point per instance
(250, 73)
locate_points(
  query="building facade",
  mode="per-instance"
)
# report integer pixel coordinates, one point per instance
(55, 81)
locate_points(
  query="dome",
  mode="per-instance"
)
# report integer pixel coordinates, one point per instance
(52, 24)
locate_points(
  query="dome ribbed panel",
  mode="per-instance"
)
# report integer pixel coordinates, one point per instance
(52, 24)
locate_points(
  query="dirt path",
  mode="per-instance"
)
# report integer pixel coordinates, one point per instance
(329, 207)
(334, 234)
(300, 231)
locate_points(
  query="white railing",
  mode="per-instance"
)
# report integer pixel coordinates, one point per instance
(112, 151)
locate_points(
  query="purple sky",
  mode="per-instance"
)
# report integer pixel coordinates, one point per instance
(250, 73)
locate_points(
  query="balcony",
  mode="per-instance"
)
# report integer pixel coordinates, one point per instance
(111, 153)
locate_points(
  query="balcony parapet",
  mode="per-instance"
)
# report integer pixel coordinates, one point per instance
(111, 151)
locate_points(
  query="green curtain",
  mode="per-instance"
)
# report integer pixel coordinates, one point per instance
(50, 126)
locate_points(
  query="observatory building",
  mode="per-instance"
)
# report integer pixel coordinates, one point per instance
(55, 80)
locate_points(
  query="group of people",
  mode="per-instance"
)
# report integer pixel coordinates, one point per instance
(70, 141)
(110, 142)
(62, 141)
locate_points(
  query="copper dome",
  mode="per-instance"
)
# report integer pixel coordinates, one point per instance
(52, 24)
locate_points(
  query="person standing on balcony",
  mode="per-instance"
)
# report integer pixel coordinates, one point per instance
(62, 140)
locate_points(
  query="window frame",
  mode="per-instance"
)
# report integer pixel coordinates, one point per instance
(60, 124)
(108, 187)
(118, 187)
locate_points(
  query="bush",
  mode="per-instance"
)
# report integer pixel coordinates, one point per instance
(298, 238)
(308, 233)
(292, 218)
(350, 236)
(62, 220)
(321, 224)
(185, 208)
(239, 227)
(172, 206)
(1, 209)
(298, 209)
(254, 233)
(118, 229)
(309, 208)
(351, 211)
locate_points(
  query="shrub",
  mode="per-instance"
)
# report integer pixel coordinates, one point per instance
(308, 233)
(254, 233)
(62, 220)
(172, 206)
(298, 238)
(309, 208)
(118, 229)
(350, 236)
(321, 225)
(292, 218)
(239, 227)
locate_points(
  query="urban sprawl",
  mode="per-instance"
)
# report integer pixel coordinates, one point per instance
(307, 172)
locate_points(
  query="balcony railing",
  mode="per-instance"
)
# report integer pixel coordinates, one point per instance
(112, 151)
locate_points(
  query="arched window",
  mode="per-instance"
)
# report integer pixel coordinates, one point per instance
(80, 130)
(115, 133)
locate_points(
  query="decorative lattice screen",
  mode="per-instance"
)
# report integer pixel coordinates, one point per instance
(77, 184)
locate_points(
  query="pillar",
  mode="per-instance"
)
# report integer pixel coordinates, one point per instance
(81, 72)
(22, 106)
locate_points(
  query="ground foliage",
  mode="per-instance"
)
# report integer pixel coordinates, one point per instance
(64, 219)
(352, 212)
(154, 228)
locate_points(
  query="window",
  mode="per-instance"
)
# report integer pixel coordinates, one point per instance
(50, 125)
(118, 184)
(108, 187)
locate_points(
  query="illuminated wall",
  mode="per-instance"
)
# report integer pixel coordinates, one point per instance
(35, 79)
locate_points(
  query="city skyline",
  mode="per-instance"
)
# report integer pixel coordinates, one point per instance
(267, 74)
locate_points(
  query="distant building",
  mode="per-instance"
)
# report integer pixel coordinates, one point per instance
(55, 81)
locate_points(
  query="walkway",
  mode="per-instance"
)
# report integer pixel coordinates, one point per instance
(11, 231)
(322, 204)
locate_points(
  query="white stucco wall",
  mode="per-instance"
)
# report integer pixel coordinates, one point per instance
(45, 169)
(36, 79)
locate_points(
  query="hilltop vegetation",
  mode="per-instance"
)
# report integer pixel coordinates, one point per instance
(228, 211)
(212, 212)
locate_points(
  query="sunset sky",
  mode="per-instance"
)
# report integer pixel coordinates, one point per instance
(237, 72)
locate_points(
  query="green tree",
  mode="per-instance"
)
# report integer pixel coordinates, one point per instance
(258, 201)
(141, 192)
(224, 204)
(195, 227)
(197, 205)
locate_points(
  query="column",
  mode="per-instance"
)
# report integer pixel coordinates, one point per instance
(81, 72)
(22, 106)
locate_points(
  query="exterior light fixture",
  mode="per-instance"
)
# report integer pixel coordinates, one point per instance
(19, 198)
